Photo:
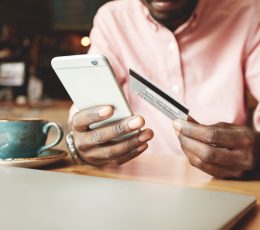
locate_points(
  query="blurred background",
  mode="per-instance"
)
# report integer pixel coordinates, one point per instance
(32, 32)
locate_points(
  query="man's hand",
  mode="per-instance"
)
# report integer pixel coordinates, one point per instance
(222, 150)
(95, 147)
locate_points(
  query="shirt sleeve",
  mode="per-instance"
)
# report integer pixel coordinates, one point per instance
(103, 42)
(252, 73)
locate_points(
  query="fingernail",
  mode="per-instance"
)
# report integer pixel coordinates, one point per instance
(105, 111)
(142, 148)
(177, 125)
(144, 137)
(135, 123)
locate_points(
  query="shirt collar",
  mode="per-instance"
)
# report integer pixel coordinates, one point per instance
(191, 21)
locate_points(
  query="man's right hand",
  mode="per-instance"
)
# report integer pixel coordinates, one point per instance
(95, 146)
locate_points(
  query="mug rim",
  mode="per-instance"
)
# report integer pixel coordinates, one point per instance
(3, 120)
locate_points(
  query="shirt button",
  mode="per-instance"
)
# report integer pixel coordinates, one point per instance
(171, 46)
(175, 89)
(154, 27)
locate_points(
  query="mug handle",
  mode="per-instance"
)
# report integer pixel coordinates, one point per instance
(46, 129)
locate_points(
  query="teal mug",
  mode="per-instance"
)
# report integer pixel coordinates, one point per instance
(26, 138)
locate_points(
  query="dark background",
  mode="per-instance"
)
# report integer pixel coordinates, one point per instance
(41, 30)
(33, 16)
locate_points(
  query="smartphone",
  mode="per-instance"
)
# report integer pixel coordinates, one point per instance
(90, 81)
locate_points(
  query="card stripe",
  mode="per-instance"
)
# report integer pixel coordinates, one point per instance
(158, 91)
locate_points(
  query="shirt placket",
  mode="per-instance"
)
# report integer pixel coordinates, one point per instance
(175, 84)
(175, 72)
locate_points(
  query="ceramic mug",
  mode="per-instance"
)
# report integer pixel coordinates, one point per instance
(26, 138)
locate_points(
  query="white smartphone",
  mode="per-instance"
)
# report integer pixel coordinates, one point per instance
(90, 81)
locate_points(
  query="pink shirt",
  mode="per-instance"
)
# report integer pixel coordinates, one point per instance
(207, 63)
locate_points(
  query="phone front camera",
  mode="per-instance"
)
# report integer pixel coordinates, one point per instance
(94, 62)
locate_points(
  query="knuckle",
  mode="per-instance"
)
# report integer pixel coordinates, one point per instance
(208, 155)
(192, 162)
(74, 121)
(79, 144)
(93, 116)
(107, 153)
(116, 150)
(195, 162)
(80, 148)
(210, 136)
(115, 163)
(186, 129)
(94, 162)
(98, 156)
(98, 137)
(248, 140)
(119, 128)
(182, 140)
(199, 164)
(132, 143)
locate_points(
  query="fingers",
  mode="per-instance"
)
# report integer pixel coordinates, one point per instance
(83, 119)
(95, 147)
(119, 152)
(120, 160)
(133, 154)
(217, 171)
(222, 150)
(233, 139)
(191, 119)
(111, 152)
(105, 134)
(216, 155)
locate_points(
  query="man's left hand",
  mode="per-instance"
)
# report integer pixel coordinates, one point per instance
(222, 150)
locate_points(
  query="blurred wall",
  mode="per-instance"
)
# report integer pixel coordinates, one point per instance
(44, 29)
(34, 16)
(29, 16)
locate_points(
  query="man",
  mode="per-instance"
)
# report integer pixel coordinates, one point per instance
(204, 52)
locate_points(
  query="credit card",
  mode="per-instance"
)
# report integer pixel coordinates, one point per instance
(151, 93)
